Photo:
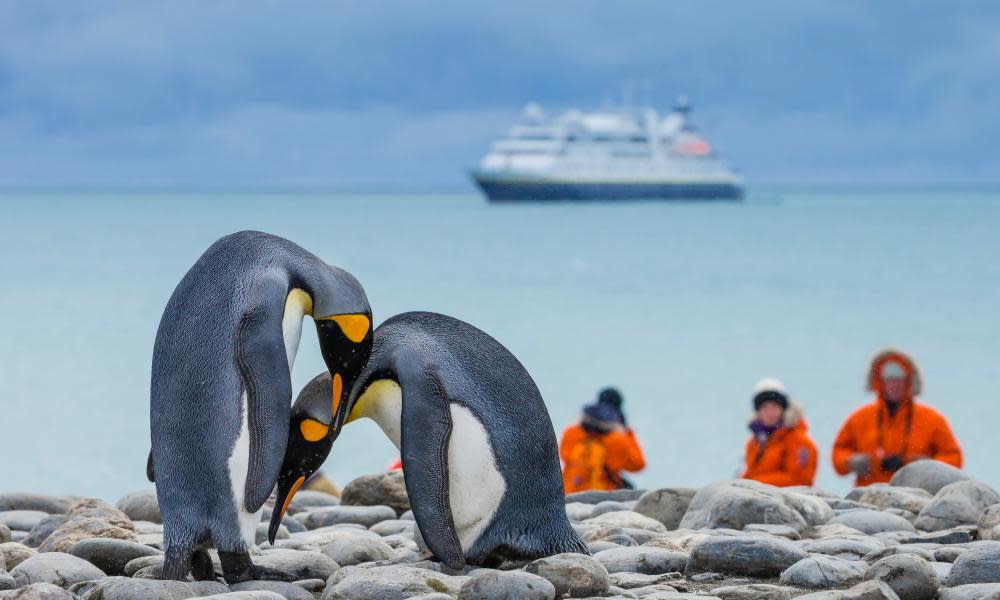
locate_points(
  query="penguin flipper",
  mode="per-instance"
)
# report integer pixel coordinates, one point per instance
(263, 367)
(425, 436)
(150, 475)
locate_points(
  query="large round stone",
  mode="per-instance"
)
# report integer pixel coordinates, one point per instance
(821, 571)
(14, 553)
(348, 549)
(55, 567)
(666, 505)
(487, 584)
(141, 506)
(980, 564)
(389, 583)
(872, 521)
(736, 504)
(647, 560)
(744, 555)
(110, 555)
(908, 575)
(74, 530)
(972, 591)
(385, 489)
(126, 588)
(40, 591)
(928, 475)
(959, 503)
(578, 575)
(289, 591)
(361, 515)
(32, 501)
(886, 496)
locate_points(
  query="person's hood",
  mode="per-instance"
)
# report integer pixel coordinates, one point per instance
(887, 354)
(794, 417)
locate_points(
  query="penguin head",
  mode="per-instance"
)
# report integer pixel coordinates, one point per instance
(310, 437)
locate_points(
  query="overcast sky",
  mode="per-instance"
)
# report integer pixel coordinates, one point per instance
(409, 94)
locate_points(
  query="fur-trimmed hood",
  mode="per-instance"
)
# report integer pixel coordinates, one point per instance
(886, 354)
(794, 416)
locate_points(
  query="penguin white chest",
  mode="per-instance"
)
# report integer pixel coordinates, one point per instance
(475, 485)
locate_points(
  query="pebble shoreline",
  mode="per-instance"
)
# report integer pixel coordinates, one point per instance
(933, 533)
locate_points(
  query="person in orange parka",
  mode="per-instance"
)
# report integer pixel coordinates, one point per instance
(780, 451)
(894, 430)
(597, 449)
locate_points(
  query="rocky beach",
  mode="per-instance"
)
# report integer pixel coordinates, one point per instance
(933, 533)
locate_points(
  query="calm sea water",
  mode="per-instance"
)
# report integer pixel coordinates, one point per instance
(682, 306)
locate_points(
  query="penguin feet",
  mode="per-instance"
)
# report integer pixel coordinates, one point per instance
(202, 568)
(237, 567)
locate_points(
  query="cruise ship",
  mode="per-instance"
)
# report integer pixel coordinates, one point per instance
(618, 154)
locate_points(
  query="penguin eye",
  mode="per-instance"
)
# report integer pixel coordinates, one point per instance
(312, 430)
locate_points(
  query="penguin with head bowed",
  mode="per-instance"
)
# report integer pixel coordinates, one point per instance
(480, 458)
(221, 388)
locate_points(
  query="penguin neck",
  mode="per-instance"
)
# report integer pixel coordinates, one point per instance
(298, 304)
(381, 402)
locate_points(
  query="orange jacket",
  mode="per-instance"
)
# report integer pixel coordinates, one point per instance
(870, 430)
(593, 461)
(788, 456)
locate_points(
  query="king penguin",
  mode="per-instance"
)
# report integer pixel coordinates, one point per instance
(480, 458)
(221, 389)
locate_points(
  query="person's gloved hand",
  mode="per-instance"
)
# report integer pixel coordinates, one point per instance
(892, 463)
(860, 464)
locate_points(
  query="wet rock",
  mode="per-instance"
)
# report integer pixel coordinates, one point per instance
(754, 591)
(909, 576)
(348, 549)
(958, 535)
(627, 518)
(988, 526)
(958, 503)
(754, 556)
(642, 559)
(140, 506)
(666, 505)
(24, 520)
(980, 564)
(43, 530)
(362, 515)
(885, 496)
(388, 583)
(611, 506)
(299, 564)
(54, 567)
(846, 548)
(247, 595)
(578, 575)
(915, 550)
(928, 475)
(821, 571)
(39, 591)
(260, 535)
(31, 501)
(110, 555)
(393, 527)
(736, 504)
(578, 511)
(872, 521)
(74, 530)
(286, 590)
(382, 489)
(972, 591)
(487, 584)
(14, 553)
(630, 581)
(135, 565)
(124, 588)
(597, 496)
(777, 530)
(868, 590)
(6, 581)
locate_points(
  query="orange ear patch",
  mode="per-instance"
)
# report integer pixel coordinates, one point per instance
(313, 430)
(355, 326)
